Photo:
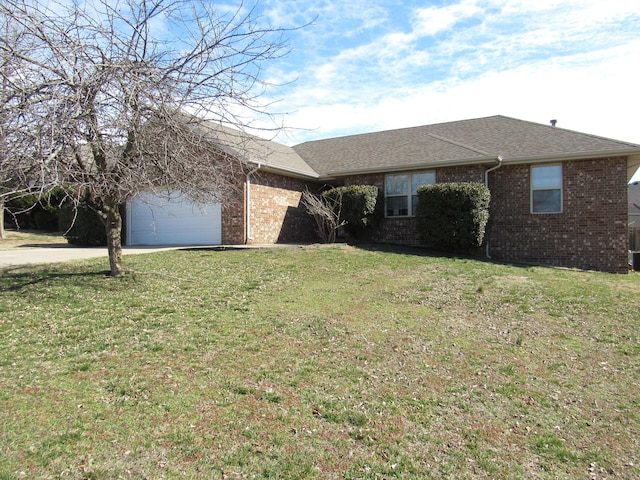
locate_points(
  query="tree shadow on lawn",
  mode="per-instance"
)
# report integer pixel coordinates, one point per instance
(478, 255)
(53, 245)
(14, 279)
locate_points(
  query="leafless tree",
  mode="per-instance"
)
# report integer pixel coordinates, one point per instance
(113, 91)
(18, 143)
(326, 213)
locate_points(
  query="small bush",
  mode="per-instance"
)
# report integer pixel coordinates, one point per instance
(361, 208)
(326, 214)
(86, 230)
(34, 211)
(453, 216)
(47, 218)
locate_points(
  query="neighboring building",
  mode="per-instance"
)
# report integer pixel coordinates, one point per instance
(558, 197)
(634, 216)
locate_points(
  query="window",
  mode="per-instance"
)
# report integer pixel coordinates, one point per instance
(401, 192)
(546, 189)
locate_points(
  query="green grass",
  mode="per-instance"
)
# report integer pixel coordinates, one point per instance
(330, 362)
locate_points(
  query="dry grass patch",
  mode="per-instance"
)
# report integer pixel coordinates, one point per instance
(22, 238)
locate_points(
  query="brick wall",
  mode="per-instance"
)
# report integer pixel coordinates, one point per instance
(474, 173)
(276, 213)
(591, 231)
(233, 220)
(403, 230)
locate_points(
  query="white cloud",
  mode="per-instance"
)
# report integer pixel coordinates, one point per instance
(574, 60)
(326, 17)
(433, 20)
(593, 98)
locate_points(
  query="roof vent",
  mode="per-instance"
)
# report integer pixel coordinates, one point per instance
(553, 122)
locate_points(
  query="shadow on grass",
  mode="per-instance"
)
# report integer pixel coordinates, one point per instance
(49, 245)
(14, 279)
(418, 251)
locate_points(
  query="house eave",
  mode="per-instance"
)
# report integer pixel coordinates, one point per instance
(633, 163)
(633, 155)
(287, 172)
(573, 156)
(411, 167)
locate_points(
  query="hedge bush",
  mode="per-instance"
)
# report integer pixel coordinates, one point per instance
(87, 229)
(453, 216)
(362, 207)
(34, 211)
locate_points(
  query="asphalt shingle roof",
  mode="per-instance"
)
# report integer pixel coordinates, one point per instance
(479, 140)
(464, 142)
(253, 149)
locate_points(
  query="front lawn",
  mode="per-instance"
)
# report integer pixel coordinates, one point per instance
(30, 238)
(331, 362)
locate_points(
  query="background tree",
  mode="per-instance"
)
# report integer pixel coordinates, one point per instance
(114, 92)
(18, 141)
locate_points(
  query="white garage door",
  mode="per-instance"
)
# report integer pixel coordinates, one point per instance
(171, 219)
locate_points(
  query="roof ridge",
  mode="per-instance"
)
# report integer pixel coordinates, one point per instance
(459, 144)
(592, 135)
(392, 130)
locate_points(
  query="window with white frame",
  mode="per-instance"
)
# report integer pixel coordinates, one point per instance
(401, 194)
(546, 189)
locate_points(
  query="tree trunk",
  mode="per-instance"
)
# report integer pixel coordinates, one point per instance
(113, 225)
(2, 234)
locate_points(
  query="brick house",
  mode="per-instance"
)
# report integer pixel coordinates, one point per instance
(559, 197)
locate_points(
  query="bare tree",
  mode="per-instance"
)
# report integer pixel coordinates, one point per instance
(18, 144)
(114, 90)
(326, 213)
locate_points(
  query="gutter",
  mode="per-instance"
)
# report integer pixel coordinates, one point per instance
(633, 153)
(289, 172)
(565, 157)
(248, 200)
(486, 184)
(495, 167)
(408, 167)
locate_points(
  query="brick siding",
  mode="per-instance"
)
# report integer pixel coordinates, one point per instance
(233, 220)
(276, 213)
(590, 233)
(403, 230)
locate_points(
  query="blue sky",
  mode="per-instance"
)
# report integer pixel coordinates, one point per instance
(368, 65)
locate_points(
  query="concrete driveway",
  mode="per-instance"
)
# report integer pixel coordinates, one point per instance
(55, 253)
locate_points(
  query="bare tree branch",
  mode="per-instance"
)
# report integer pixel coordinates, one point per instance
(325, 212)
(101, 97)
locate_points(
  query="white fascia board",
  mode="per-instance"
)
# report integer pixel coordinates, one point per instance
(633, 154)
(287, 172)
(573, 156)
(413, 166)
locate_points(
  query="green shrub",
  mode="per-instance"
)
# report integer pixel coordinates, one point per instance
(361, 207)
(47, 218)
(453, 216)
(19, 210)
(34, 211)
(86, 230)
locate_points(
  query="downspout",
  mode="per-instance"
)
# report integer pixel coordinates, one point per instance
(486, 184)
(248, 201)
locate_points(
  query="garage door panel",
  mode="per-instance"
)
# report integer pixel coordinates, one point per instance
(173, 220)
